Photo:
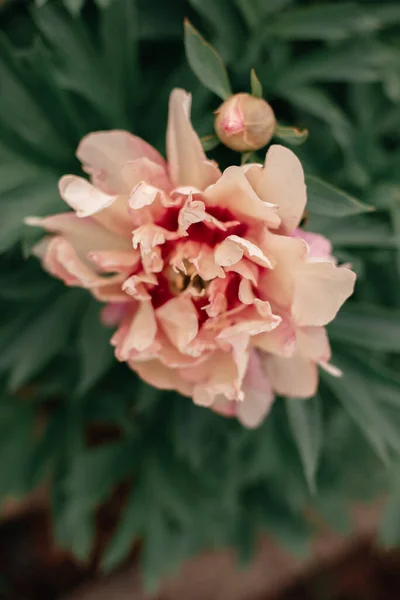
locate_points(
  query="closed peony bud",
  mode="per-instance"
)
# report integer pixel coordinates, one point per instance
(245, 123)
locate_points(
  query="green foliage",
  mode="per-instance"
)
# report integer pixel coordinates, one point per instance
(206, 63)
(197, 480)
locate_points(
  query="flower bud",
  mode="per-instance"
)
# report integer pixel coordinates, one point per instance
(245, 123)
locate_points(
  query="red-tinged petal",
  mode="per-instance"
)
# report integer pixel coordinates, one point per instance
(234, 192)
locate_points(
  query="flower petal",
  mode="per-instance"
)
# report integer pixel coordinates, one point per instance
(234, 192)
(296, 377)
(258, 394)
(141, 332)
(179, 320)
(188, 165)
(320, 290)
(160, 376)
(313, 343)
(104, 153)
(281, 182)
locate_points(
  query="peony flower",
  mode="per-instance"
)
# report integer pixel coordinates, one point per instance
(213, 288)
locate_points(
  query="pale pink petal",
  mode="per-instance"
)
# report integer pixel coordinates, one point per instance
(313, 343)
(113, 313)
(233, 248)
(141, 332)
(148, 236)
(246, 269)
(188, 165)
(281, 182)
(143, 169)
(61, 260)
(179, 320)
(278, 285)
(296, 377)
(136, 285)
(83, 197)
(251, 323)
(205, 264)
(88, 201)
(320, 290)
(318, 245)
(222, 381)
(104, 153)
(258, 394)
(246, 293)
(115, 261)
(160, 376)
(281, 340)
(331, 369)
(234, 192)
(85, 235)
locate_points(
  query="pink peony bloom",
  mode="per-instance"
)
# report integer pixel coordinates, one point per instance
(215, 291)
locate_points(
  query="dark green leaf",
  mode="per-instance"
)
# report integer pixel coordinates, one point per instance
(389, 530)
(327, 200)
(209, 142)
(42, 339)
(357, 399)
(255, 83)
(291, 135)
(367, 326)
(305, 422)
(206, 63)
(324, 22)
(94, 349)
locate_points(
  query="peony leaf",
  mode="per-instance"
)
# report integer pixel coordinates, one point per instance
(389, 529)
(367, 326)
(206, 63)
(358, 400)
(209, 142)
(291, 135)
(305, 421)
(327, 200)
(256, 86)
(94, 349)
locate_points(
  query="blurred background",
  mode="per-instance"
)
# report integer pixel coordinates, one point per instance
(105, 481)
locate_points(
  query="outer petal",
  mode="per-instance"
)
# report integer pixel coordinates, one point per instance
(281, 340)
(295, 377)
(86, 200)
(160, 376)
(281, 182)
(318, 245)
(258, 394)
(233, 192)
(187, 162)
(104, 153)
(313, 343)
(178, 318)
(61, 260)
(140, 334)
(320, 290)
(84, 234)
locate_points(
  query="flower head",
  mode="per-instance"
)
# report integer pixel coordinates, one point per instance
(245, 123)
(214, 290)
